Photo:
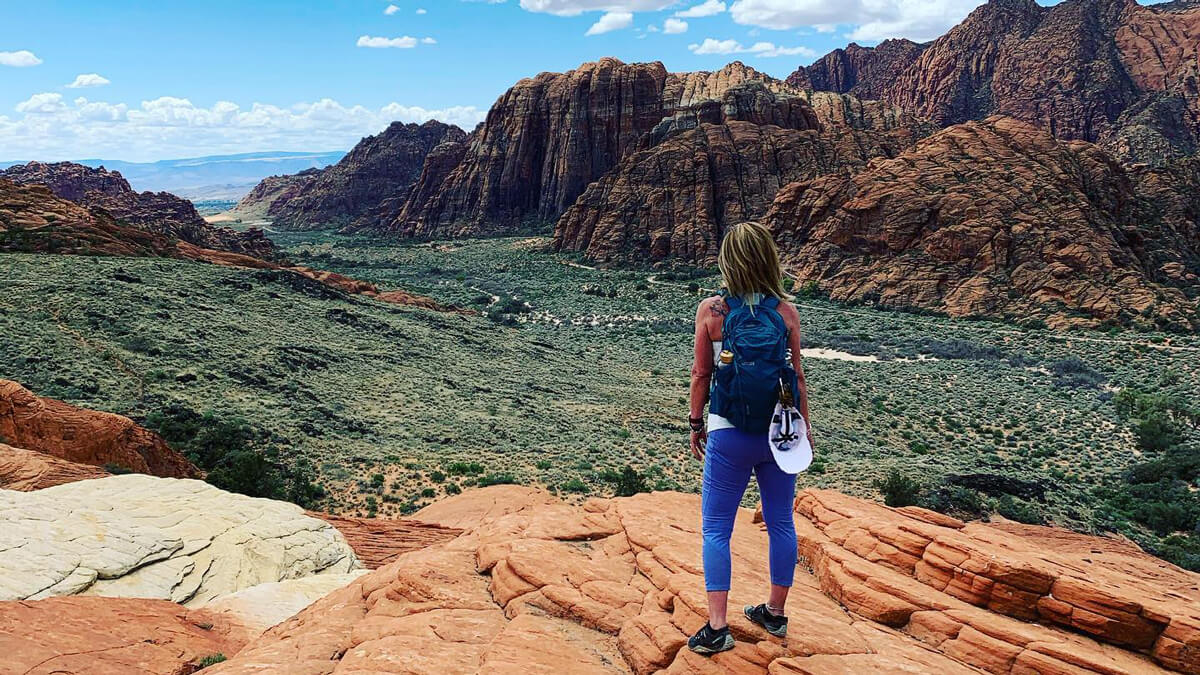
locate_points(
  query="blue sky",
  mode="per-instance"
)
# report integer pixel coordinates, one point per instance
(168, 78)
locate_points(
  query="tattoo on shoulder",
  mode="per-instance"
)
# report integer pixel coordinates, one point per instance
(718, 307)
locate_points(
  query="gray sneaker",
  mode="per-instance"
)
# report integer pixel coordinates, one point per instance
(776, 625)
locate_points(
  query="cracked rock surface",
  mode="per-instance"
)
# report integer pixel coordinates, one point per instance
(139, 536)
(534, 585)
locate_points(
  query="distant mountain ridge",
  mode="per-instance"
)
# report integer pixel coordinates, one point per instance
(210, 177)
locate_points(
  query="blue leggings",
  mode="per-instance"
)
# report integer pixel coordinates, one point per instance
(729, 458)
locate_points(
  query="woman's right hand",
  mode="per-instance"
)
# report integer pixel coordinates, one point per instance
(699, 438)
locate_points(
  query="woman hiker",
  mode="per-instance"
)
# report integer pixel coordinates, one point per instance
(745, 371)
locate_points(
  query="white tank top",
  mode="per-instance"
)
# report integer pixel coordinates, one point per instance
(715, 421)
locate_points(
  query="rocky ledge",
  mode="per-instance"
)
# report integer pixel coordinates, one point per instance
(144, 537)
(83, 436)
(615, 586)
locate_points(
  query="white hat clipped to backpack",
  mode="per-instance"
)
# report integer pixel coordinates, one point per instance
(789, 439)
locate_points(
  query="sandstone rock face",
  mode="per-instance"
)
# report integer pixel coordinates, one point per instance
(547, 138)
(112, 636)
(985, 218)
(26, 470)
(863, 71)
(378, 168)
(954, 585)
(379, 541)
(1108, 71)
(675, 198)
(34, 220)
(157, 212)
(112, 537)
(265, 605)
(615, 586)
(257, 203)
(84, 436)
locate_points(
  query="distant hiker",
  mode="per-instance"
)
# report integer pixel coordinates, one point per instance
(747, 357)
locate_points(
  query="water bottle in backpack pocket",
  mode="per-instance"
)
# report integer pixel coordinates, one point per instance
(746, 390)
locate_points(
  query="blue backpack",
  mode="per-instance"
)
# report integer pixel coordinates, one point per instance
(746, 390)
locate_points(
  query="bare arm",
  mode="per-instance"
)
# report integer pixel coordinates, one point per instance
(702, 362)
(792, 318)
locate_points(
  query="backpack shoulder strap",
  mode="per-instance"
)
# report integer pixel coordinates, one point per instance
(733, 301)
(770, 302)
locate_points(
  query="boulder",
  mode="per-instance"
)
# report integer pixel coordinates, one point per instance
(112, 636)
(26, 470)
(138, 536)
(85, 436)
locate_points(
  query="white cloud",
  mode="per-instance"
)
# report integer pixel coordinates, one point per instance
(422, 10)
(88, 80)
(577, 7)
(918, 20)
(611, 21)
(404, 42)
(391, 9)
(706, 8)
(675, 26)
(49, 128)
(19, 59)
(761, 49)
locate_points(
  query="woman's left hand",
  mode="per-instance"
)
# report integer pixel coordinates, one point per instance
(699, 438)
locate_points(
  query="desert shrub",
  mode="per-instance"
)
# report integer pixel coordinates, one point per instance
(111, 467)
(575, 485)
(1072, 373)
(210, 660)
(452, 489)
(627, 482)
(898, 489)
(464, 468)
(954, 500)
(496, 479)
(1019, 510)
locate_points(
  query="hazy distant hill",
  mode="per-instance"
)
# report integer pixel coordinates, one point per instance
(212, 177)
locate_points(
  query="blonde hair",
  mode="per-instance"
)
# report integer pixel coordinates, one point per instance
(749, 262)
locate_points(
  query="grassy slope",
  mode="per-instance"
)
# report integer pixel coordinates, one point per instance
(586, 383)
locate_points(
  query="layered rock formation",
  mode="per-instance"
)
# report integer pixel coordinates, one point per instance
(114, 537)
(379, 168)
(33, 220)
(257, 203)
(156, 212)
(549, 137)
(84, 436)
(986, 218)
(1109, 71)
(26, 470)
(379, 541)
(863, 71)
(615, 586)
(112, 636)
(675, 197)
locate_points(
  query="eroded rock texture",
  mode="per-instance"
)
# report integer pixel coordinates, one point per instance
(988, 218)
(26, 470)
(381, 167)
(548, 137)
(713, 164)
(257, 203)
(863, 71)
(379, 541)
(112, 636)
(615, 586)
(84, 436)
(1108, 71)
(156, 212)
(138, 536)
